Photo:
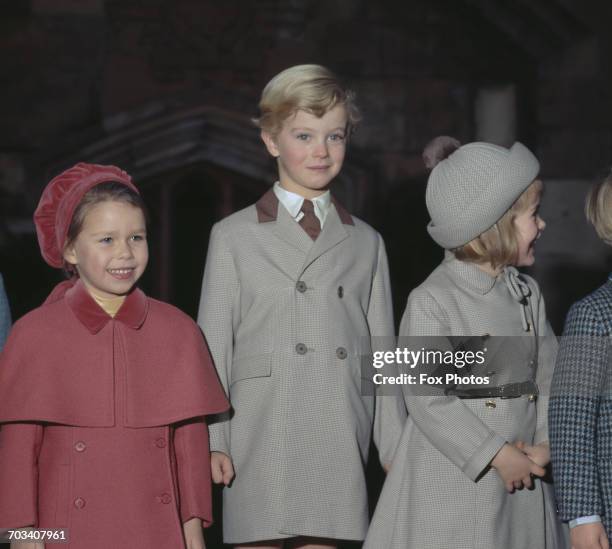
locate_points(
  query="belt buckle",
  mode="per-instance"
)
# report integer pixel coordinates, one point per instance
(534, 392)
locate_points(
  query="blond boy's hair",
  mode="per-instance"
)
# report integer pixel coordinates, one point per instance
(310, 88)
(598, 209)
(499, 244)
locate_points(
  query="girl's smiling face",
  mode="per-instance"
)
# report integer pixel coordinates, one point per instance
(529, 226)
(110, 252)
(310, 150)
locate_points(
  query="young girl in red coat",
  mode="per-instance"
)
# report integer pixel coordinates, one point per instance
(103, 391)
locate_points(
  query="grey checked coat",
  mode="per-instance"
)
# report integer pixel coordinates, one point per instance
(440, 492)
(286, 319)
(581, 410)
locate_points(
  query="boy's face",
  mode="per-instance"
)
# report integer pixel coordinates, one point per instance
(110, 253)
(310, 150)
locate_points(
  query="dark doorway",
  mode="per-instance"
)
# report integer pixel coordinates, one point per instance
(184, 204)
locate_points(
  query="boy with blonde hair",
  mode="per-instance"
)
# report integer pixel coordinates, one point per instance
(294, 288)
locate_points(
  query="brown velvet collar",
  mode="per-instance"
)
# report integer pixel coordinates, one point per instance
(267, 209)
(132, 313)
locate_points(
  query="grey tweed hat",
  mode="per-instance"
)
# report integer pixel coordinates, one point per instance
(473, 187)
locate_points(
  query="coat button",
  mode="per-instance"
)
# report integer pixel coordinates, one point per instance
(160, 442)
(79, 503)
(300, 286)
(164, 498)
(341, 353)
(80, 446)
(532, 398)
(300, 349)
(340, 292)
(490, 404)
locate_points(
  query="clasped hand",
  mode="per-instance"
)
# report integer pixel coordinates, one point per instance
(518, 463)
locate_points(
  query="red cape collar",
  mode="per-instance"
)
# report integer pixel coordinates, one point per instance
(132, 313)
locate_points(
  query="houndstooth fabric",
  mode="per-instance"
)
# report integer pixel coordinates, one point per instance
(470, 190)
(440, 492)
(581, 410)
(285, 318)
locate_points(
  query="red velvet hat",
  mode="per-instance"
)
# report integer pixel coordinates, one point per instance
(59, 200)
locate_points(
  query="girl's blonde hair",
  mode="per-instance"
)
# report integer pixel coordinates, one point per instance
(311, 88)
(499, 244)
(598, 209)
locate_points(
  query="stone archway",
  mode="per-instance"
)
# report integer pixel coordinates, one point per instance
(156, 139)
(173, 152)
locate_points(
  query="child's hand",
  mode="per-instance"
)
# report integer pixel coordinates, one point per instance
(194, 535)
(515, 468)
(221, 468)
(538, 453)
(589, 536)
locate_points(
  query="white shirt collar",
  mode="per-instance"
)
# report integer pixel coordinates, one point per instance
(293, 203)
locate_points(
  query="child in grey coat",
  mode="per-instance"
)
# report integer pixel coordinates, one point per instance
(465, 475)
(294, 288)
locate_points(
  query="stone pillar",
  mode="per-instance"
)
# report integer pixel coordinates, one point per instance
(495, 115)
(571, 260)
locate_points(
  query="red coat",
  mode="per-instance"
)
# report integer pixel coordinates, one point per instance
(102, 428)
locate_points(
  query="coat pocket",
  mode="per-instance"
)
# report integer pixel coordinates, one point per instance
(251, 366)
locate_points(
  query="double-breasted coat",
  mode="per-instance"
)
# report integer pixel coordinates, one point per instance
(581, 410)
(287, 320)
(101, 422)
(441, 492)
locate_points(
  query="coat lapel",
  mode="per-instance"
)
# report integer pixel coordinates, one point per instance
(287, 229)
(332, 234)
(275, 218)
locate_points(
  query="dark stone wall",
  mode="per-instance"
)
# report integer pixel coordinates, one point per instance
(125, 80)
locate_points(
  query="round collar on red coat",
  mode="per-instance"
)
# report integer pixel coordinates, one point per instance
(132, 313)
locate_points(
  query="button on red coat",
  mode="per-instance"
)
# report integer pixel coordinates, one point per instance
(80, 446)
(165, 499)
(79, 503)
(160, 442)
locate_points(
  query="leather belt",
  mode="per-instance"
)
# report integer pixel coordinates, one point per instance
(508, 390)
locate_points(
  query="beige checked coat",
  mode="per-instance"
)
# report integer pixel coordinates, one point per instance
(286, 320)
(440, 492)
